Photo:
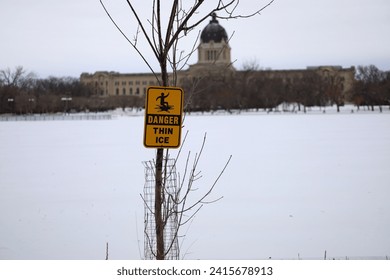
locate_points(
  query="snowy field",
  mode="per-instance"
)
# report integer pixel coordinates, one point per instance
(298, 185)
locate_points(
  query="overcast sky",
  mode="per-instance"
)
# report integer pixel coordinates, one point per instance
(68, 37)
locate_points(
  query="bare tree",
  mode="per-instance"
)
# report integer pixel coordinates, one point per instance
(371, 87)
(334, 88)
(163, 38)
(16, 78)
(12, 78)
(308, 90)
(16, 85)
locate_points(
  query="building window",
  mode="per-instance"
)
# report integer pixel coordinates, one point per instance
(211, 55)
(144, 83)
(124, 91)
(117, 91)
(144, 90)
(137, 83)
(130, 83)
(137, 91)
(131, 90)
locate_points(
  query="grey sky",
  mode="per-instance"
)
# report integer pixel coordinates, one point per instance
(67, 37)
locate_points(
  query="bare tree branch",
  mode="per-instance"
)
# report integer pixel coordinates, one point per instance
(134, 45)
(239, 16)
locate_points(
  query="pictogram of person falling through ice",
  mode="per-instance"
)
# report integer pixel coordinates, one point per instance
(164, 106)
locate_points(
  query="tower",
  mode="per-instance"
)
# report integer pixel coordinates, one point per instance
(214, 47)
(213, 50)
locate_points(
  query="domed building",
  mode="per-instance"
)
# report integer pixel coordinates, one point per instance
(213, 32)
(213, 66)
(213, 59)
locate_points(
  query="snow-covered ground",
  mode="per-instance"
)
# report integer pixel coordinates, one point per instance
(297, 185)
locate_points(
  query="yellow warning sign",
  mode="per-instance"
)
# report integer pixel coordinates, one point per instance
(163, 117)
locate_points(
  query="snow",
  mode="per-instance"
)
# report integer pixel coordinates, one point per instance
(297, 185)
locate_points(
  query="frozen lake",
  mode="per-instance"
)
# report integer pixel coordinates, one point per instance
(297, 185)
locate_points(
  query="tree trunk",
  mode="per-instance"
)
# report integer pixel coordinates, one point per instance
(158, 206)
(160, 250)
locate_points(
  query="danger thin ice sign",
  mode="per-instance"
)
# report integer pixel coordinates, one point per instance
(163, 117)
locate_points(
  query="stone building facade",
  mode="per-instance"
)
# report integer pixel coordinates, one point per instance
(214, 58)
(115, 84)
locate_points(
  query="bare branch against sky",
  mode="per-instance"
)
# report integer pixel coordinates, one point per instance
(67, 37)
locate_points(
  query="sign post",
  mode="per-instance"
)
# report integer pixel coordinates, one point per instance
(163, 121)
(163, 117)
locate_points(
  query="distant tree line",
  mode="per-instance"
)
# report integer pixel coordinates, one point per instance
(24, 93)
(252, 89)
(372, 87)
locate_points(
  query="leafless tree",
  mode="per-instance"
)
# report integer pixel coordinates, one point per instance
(16, 84)
(18, 78)
(308, 90)
(169, 23)
(334, 88)
(12, 78)
(371, 87)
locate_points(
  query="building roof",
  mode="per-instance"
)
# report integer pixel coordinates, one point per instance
(213, 32)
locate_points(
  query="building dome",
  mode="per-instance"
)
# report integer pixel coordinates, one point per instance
(213, 32)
